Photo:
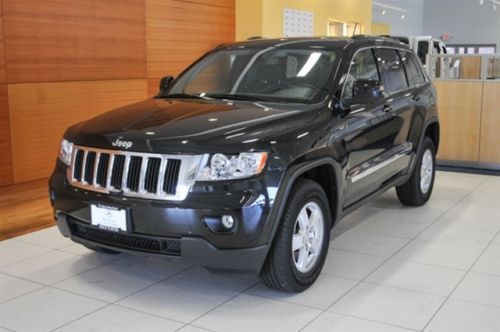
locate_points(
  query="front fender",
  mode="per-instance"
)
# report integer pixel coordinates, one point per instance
(288, 180)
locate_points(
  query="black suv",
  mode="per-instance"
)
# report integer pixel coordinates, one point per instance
(248, 158)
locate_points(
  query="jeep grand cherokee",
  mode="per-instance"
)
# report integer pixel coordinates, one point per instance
(247, 159)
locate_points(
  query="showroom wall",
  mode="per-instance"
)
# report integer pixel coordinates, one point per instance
(265, 17)
(411, 25)
(62, 61)
(461, 18)
(431, 17)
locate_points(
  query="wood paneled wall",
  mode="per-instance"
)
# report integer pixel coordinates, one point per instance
(62, 61)
(489, 151)
(37, 131)
(459, 104)
(6, 175)
(469, 113)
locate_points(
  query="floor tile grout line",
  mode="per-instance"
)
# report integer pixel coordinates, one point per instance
(486, 274)
(381, 234)
(51, 250)
(38, 244)
(224, 302)
(429, 264)
(405, 289)
(23, 278)
(114, 302)
(355, 252)
(476, 302)
(395, 253)
(31, 257)
(360, 318)
(199, 327)
(53, 284)
(458, 284)
(418, 240)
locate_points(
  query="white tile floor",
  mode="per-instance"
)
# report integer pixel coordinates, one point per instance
(390, 268)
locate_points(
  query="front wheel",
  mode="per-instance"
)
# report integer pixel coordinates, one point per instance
(301, 243)
(417, 190)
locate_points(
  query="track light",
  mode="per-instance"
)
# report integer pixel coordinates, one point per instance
(387, 8)
(494, 3)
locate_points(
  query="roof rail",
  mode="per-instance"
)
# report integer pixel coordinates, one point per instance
(255, 37)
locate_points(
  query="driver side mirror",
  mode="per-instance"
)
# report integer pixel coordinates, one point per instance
(366, 91)
(165, 82)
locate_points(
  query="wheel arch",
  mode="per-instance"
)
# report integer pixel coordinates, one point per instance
(317, 170)
(432, 131)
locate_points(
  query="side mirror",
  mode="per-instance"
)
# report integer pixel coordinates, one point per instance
(366, 91)
(165, 82)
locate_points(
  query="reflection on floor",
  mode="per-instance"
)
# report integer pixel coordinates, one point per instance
(390, 268)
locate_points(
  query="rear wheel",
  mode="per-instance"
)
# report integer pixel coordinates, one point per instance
(418, 189)
(301, 243)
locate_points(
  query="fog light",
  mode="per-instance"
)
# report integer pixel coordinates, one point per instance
(227, 221)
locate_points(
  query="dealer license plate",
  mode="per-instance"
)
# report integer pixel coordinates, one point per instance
(108, 217)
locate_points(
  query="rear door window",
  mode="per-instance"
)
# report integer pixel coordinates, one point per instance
(412, 67)
(391, 69)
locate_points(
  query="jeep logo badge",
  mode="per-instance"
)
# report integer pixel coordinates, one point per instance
(122, 144)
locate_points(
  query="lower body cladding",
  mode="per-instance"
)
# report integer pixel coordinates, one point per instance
(217, 231)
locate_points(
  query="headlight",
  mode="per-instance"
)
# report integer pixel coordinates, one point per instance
(65, 151)
(228, 167)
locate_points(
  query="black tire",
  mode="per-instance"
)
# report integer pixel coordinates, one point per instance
(411, 192)
(102, 250)
(279, 270)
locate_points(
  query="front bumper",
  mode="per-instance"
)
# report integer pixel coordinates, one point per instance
(191, 249)
(155, 227)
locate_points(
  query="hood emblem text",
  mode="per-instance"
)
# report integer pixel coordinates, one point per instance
(122, 144)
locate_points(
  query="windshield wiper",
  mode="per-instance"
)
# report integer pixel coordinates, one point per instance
(181, 95)
(233, 97)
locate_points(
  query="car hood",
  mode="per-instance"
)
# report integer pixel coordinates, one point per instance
(193, 125)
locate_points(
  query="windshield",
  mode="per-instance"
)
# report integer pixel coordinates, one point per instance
(271, 74)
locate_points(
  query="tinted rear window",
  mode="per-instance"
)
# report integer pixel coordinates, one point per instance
(413, 71)
(391, 69)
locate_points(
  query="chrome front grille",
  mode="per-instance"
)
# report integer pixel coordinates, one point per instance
(133, 174)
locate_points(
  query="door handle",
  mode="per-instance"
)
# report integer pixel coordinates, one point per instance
(416, 97)
(387, 108)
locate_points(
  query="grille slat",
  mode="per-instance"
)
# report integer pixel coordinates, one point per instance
(130, 173)
(117, 172)
(102, 170)
(171, 175)
(151, 175)
(134, 172)
(167, 246)
(78, 165)
(88, 175)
